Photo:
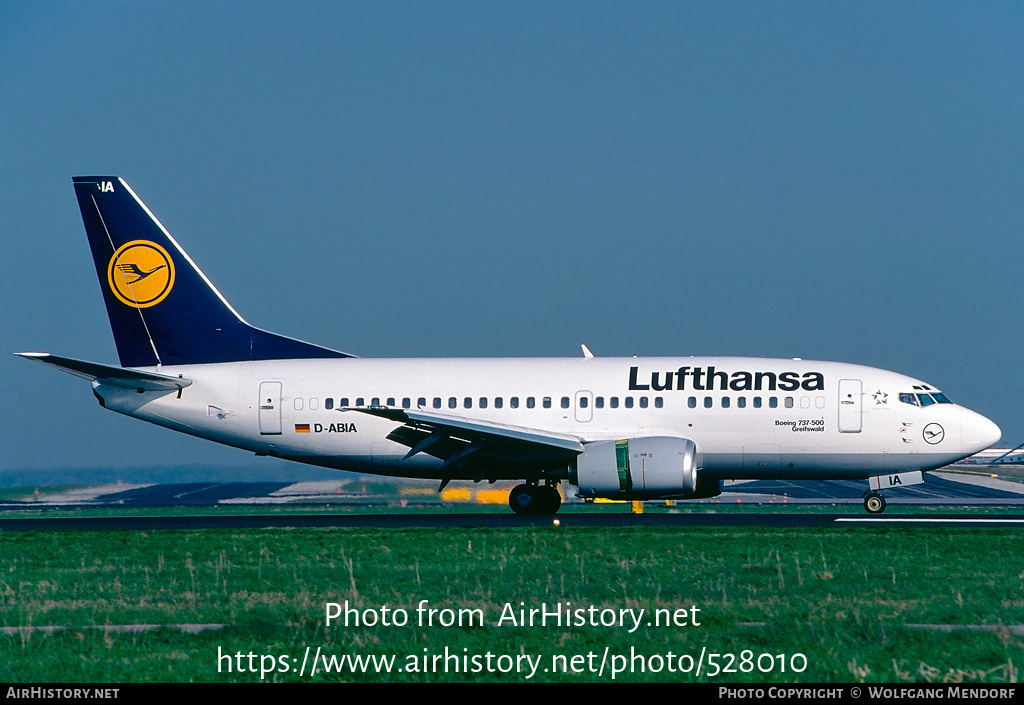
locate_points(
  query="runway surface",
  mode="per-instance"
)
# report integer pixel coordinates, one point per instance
(939, 487)
(425, 511)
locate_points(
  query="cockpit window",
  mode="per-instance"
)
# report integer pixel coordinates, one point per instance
(921, 399)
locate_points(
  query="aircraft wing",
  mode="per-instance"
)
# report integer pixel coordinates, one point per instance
(470, 446)
(108, 374)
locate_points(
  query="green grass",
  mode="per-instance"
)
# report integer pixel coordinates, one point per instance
(842, 597)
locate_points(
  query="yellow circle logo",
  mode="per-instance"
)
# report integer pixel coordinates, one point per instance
(141, 273)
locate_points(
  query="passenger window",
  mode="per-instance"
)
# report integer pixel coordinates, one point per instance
(599, 402)
(565, 402)
(328, 403)
(708, 401)
(468, 402)
(373, 402)
(360, 401)
(757, 402)
(805, 402)
(547, 402)
(530, 402)
(514, 402)
(819, 402)
(437, 402)
(483, 402)
(406, 403)
(298, 403)
(692, 402)
(629, 402)
(725, 402)
(659, 402)
(421, 402)
(391, 401)
(614, 402)
(498, 402)
(643, 402)
(773, 402)
(584, 402)
(344, 402)
(453, 403)
(789, 402)
(741, 402)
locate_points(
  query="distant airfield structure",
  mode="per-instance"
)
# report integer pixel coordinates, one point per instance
(996, 456)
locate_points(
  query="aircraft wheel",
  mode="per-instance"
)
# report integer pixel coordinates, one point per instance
(874, 503)
(524, 499)
(551, 500)
(535, 499)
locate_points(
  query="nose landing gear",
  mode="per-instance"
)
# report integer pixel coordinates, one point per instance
(535, 499)
(874, 503)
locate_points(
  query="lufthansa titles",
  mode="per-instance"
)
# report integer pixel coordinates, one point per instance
(709, 378)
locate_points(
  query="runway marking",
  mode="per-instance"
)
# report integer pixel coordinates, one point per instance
(951, 520)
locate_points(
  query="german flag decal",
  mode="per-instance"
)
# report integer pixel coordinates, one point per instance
(302, 428)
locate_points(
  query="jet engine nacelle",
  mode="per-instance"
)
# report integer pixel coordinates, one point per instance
(640, 468)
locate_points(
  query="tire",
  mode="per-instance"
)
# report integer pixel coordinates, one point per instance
(874, 504)
(523, 499)
(535, 499)
(551, 500)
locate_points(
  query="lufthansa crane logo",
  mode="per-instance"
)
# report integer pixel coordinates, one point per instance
(933, 433)
(141, 273)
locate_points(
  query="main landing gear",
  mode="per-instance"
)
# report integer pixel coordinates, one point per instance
(535, 499)
(874, 503)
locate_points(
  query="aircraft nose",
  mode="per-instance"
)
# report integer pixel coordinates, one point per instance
(978, 432)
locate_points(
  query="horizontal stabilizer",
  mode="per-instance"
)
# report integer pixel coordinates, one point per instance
(108, 374)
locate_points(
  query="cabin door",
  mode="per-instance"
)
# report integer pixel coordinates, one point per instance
(270, 408)
(849, 406)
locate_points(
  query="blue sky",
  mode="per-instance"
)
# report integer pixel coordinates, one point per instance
(819, 180)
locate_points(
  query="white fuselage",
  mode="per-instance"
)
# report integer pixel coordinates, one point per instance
(749, 417)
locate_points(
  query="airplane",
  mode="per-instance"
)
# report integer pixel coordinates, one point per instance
(630, 428)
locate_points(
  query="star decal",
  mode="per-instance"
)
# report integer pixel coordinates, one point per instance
(880, 397)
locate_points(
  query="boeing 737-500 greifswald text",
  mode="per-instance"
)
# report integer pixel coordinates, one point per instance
(623, 428)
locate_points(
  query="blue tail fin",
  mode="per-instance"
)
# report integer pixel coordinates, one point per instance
(162, 309)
